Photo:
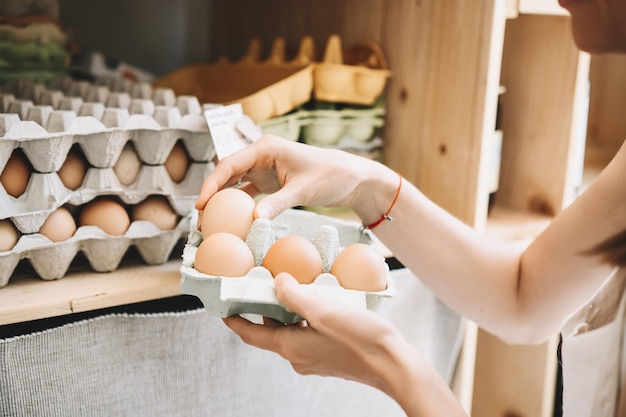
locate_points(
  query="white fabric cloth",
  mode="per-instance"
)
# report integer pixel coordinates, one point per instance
(189, 364)
(592, 353)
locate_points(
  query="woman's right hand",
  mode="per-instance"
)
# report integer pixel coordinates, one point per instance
(294, 174)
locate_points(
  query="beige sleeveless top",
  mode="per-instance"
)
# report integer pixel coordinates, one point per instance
(593, 354)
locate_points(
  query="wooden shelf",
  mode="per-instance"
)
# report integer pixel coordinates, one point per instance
(544, 7)
(28, 298)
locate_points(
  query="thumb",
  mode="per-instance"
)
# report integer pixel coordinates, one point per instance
(293, 296)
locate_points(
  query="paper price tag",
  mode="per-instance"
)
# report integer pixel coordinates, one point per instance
(222, 122)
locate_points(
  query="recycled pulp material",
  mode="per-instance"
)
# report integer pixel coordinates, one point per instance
(102, 140)
(265, 89)
(276, 86)
(355, 76)
(254, 293)
(47, 121)
(351, 128)
(51, 260)
(50, 123)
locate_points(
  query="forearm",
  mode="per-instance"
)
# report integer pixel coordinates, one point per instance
(417, 387)
(473, 274)
(507, 291)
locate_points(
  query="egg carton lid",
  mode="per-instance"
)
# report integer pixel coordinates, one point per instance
(254, 293)
(51, 260)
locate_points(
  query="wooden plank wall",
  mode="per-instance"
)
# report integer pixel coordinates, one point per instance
(607, 106)
(546, 80)
(442, 97)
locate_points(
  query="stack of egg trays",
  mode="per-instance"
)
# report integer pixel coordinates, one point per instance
(254, 293)
(349, 128)
(100, 117)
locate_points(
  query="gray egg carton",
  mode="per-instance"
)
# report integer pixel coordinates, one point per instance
(254, 293)
(47, 121)
(51, 260)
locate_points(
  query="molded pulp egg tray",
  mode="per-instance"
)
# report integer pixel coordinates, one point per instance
(46, 122)
(271, 87)
(350, 129)
(254, 293)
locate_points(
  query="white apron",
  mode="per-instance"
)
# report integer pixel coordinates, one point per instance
(593, 353)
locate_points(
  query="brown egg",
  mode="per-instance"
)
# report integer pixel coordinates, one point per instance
(230, 210)
(8, 235)
(16, 173)
(360, 267)
(59, 225)
(296, 255)
(127, 165)
(107, 214)
(73, 170)
(177, 163)
(156, 209)
(223, 254)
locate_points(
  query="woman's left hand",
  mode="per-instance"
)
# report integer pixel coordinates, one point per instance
(350, 342)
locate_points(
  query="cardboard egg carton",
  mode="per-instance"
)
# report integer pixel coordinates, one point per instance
(45, 192)
(51, 260)
(47, 131)
(45, 123)
(276, 85)
(328, 127)
(265, 88)
(357, 75)
(254, 293)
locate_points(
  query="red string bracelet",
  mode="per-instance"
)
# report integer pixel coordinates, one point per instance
(386, 216)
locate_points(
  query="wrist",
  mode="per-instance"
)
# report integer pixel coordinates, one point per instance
(417, 386)
(375, 195)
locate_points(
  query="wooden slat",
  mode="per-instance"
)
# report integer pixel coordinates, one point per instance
(512, 8)
(442, 96)
(514, 380)
(544, 7)
(607, 102)
(29, 298)
(543, 115)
